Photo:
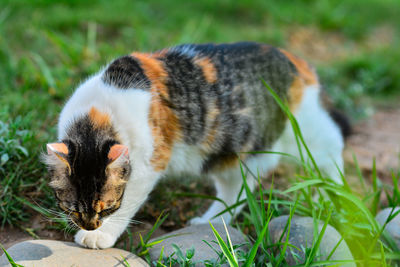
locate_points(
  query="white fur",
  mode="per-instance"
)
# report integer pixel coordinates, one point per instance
(185, 159)
(322, 135)
(129, 110)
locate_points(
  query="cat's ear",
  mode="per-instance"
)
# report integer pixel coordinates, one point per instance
(57, 155)
(57, 149)
(118, 155)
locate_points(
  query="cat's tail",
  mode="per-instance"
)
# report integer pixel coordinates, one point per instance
(342, 121)
(340, 118)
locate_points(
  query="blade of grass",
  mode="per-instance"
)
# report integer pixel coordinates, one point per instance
(229, 240)
(160, 220)
(45, 70)
(252, 203)
(253, 251)
(225, 249)
(262, 204)
(383, 258)
(315, 247)
(377, 192)
(287, 228)
(356, 201)
(359, 173)
(9, 258)
(304, 184)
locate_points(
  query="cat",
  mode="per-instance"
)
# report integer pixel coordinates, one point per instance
(187, 109)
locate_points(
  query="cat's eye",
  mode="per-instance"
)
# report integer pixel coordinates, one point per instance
(107, 212)
(75, 213)
(63, 207)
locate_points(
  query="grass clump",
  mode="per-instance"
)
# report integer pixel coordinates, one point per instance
(364, 81)
(14, 161)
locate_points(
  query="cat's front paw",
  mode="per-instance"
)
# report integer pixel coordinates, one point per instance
(94, 239)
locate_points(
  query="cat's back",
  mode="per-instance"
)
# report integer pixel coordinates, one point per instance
(231, 64)
(209, 95)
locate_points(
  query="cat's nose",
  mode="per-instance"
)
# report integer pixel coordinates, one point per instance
(92, 225)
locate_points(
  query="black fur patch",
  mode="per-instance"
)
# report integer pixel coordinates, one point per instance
(342, 121)
(126, 72)
(187, 90)
(88, 157)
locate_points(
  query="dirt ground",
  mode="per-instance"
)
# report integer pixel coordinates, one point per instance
(379, 138)
(376, 137)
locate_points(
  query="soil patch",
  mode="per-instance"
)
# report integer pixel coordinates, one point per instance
(377, 138)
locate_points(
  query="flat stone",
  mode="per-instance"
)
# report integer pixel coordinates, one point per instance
(301, 236)
(50, 253)
(192, 237)
(393, 227)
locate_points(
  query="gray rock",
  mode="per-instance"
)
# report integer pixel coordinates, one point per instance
(301, 236)
(193, 236)
(393, 227)
(46, 253)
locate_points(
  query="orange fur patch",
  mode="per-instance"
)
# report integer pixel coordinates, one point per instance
(305, 71)
(229, 162)
(296, 92)
(99, 206)
(306, 77)
(208, 68)
(210, 138)
(99, 119)
(212, 126)
(163, 121)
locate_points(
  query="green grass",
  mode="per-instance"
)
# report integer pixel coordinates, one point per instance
(47, 48)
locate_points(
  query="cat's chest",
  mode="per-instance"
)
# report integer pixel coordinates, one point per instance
(185, 159)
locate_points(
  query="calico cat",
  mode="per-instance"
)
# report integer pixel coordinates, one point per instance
(187, 109)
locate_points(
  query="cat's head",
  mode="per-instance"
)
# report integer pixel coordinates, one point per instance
(88, 179)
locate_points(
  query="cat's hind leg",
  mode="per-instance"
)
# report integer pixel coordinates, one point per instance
(228, 191)
(321, 134)
(229, 185)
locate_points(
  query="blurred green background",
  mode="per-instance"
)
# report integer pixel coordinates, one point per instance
(48, 47)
